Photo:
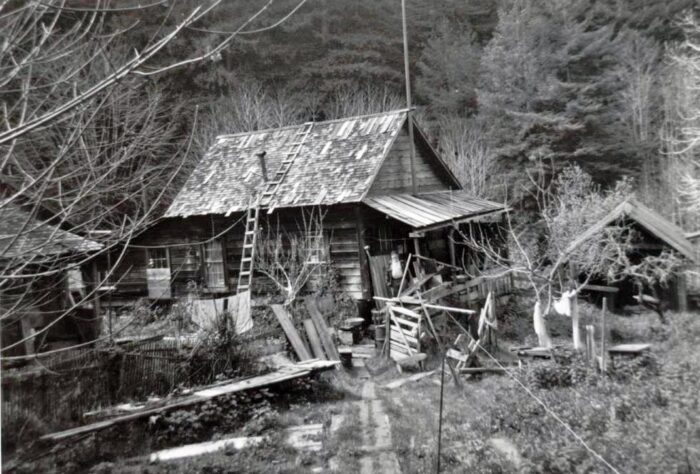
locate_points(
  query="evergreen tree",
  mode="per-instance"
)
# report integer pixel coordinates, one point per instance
(546, 89)
(448, 70)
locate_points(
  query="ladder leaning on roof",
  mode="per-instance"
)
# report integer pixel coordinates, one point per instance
(270, 187)
(245, 274)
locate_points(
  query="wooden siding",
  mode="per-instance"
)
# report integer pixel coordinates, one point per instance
(395, 173)
(339, 226)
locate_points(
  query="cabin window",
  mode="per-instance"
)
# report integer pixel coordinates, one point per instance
(158, 258)
(214, 266)
(158, 274)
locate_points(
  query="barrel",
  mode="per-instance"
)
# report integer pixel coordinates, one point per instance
(379, 334)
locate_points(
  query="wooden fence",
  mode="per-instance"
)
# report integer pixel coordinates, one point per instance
(60, 388)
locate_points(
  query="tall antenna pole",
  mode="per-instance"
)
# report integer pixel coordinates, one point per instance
(414, 185)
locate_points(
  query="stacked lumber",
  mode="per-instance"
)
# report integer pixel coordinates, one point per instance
(318, 341)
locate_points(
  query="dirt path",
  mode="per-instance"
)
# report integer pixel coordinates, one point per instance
(377, 455)
(376, 431)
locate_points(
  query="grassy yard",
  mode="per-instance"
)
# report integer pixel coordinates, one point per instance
(642, 417)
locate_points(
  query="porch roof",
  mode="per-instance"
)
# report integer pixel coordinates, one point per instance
(433, 210)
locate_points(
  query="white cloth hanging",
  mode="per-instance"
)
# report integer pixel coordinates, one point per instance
(563, 304)
(396, 270)
(204, 312)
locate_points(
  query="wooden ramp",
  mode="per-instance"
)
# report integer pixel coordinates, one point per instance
(290, 372)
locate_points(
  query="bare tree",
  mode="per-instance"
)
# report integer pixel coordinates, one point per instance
(548, 252)
(351, 101)
(683, 134)
(290, 258)
(463, 143)
(639, 105)
(250, 106)
(84, 136)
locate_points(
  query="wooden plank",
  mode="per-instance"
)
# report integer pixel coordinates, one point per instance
(414, 359)
(322, 329)
(200, 396)
(412, 378)
(198, 449)
(405, 312)
(403, 338)
(314, 340)
(629, 348)
(416, 285)
(398, 352)
(481, 370)
(456, 355)
(411, 338)
(292, 334)
(406, 322)
(601, 288)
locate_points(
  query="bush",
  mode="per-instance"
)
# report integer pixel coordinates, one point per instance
(220, 353)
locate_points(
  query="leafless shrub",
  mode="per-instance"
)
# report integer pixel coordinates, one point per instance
(291, 258)
(463, 143)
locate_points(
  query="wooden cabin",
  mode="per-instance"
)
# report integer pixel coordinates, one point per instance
(355, 171)
(654, 234)
(53, 275)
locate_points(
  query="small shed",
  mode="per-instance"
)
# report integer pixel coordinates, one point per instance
(43, 271)
(655, 234)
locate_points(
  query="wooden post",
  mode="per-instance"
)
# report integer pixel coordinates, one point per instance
(588, 343)
(387, 341)
(681, 292)
(602, 336)
(365, 280)
(451, 246)
(416, 245)
(409, 121)
(575, 323)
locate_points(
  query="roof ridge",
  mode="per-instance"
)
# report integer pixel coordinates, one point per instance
(289, 127)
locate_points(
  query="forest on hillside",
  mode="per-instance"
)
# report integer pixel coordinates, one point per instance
(505, 88)
(502, 86)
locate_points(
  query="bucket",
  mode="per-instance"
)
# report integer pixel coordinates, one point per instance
(379, 333)
(346, 357)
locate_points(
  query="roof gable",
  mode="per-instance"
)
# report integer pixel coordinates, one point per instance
(25, 237)
(337, 163)
(652, 221)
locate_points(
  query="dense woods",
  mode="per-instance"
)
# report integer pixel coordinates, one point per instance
(504, 87)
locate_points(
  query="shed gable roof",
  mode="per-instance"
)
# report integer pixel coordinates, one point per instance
(337, 163)
(650, 220)
(25, 237)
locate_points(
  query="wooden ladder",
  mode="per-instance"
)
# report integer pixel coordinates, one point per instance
(245, 274)
(295, 147)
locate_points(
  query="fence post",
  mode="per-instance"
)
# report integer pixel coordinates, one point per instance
(603, 357)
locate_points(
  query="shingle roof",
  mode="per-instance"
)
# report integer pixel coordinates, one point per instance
(24, 237)
(336, 164)
(650, 220)
(432, 209)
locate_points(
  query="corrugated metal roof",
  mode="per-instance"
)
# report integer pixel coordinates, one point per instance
(652, 221)
(337, 163)
(431, 209)
(23, 237)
